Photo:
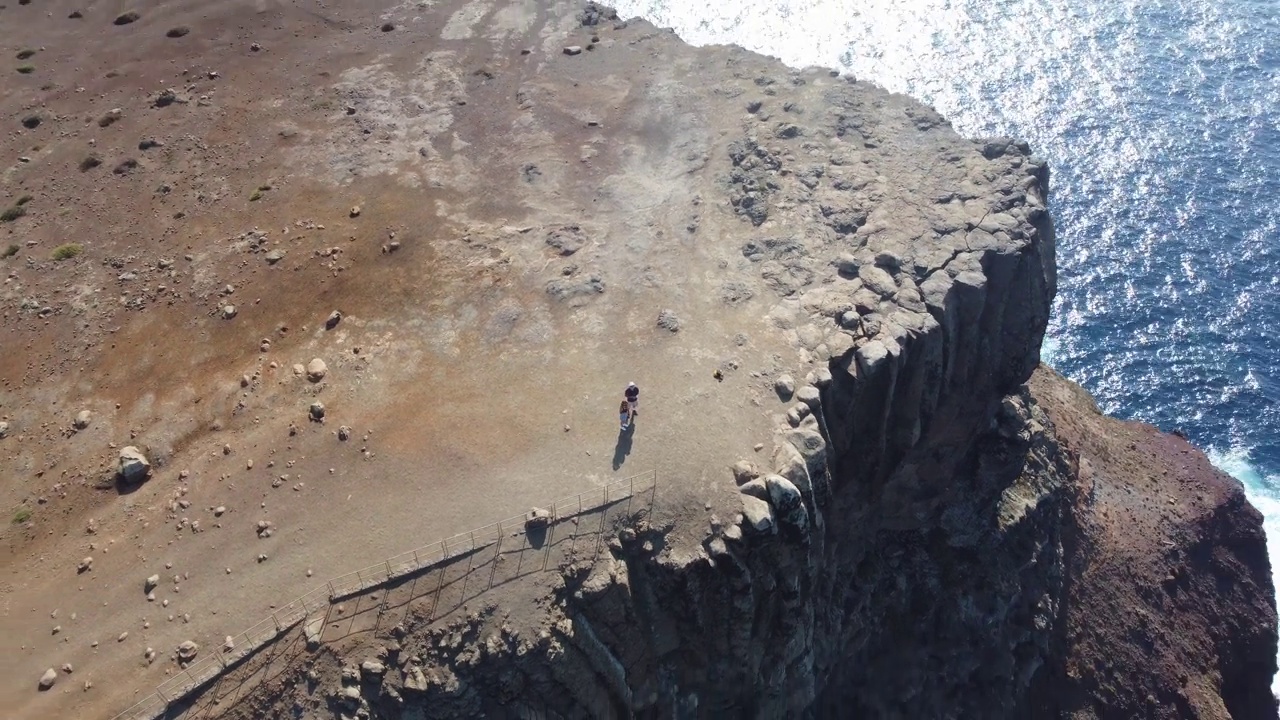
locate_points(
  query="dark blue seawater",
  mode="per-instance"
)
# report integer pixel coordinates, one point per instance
(1161, 120)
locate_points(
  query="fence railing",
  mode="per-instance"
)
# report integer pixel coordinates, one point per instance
(318, 601)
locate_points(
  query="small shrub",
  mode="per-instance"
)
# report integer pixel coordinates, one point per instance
(126, 166)
(10, 251)
(21, 515)
(26, 69)
(126, 18)
(106, 120)
(256, 196)
(388, 27)
(177, 32)
(75, 15)
(24, 200)
(90, 163)
(13, 213)
(68, 251)
(31, 122)
(24, 54)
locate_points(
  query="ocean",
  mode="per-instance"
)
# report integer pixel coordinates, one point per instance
(1161, 123)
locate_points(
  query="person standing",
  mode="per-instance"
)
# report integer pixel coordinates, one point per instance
(633, 398)
(624, 415)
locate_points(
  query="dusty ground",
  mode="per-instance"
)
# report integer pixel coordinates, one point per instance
(473, 387)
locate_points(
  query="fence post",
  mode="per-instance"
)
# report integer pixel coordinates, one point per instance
(359, 580)
(604, 513)
(551, 535)
(162, 697)
(277, 622)
(389, 573)
(444, 568)
(497, 556)
(417, 564)
(471, 558)
(331, 593)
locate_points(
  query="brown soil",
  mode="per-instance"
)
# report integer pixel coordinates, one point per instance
(473, 393)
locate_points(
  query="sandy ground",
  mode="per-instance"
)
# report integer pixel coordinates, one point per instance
(472, 391)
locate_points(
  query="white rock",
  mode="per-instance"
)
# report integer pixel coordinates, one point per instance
(316, 370)
(83, 418)
(48, 679)
(228, 312)
(134, 466)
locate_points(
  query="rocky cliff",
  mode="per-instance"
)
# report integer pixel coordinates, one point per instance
(875, 501)
(944, 528)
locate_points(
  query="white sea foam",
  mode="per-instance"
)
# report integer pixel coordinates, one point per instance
(1264, 492)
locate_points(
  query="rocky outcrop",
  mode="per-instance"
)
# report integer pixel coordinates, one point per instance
(941, 529)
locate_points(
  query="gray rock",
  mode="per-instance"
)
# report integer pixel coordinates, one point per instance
(228, 644)
(415, 680)
(372, 667)
(566, 240)
(83, 418)
(573, 50)
(275, 256)
(785, 386)
(332, 321)
(788, 504)
(134, 466)
(667, 320)
(316, 370)
(151, 583)
(344, 433)
(812, 447)
(537, 518)
(187, 651)
(85, 564)
(797, 413)
(744, 471)
(313, 630)
(877, 280)
(790, 464)
(4, 429)
(228, 312)
(48, 679)
(316, 411)
(809, 395)
(757, 515)
(755, 488)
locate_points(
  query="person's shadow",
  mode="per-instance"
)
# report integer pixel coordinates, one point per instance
(623, 448)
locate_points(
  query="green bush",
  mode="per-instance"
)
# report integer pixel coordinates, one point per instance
(10, 251)
(13, 213)
(68, 251)
(24, 54)
(21, 515)
(24, 200)
(26, 69)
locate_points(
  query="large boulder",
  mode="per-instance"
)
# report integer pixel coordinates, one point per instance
(757, 516)
(788, 505)
(134, 466)
(316, 370)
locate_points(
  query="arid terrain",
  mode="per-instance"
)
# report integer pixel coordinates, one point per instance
(462, 227)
